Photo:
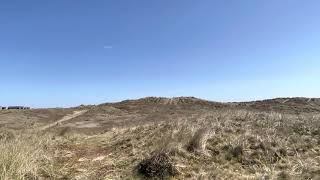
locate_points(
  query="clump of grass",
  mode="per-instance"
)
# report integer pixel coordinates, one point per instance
(159, 165)
(198, 141)
(6, 135)
(22, 158)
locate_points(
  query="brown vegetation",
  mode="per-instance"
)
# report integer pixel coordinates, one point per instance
(162, 138)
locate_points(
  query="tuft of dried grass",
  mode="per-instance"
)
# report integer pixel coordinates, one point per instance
(6, 135)
(23, 158)
(199, 140)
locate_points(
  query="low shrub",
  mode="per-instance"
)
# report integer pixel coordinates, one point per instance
(159, 165)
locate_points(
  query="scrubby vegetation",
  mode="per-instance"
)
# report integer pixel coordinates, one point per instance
(158, 165)
(203, 143)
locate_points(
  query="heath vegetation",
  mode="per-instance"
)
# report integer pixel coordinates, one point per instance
(156, 138)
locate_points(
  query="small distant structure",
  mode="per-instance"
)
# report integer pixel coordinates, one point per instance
(18, 107)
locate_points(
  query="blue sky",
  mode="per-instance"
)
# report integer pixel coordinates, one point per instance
(66, 53)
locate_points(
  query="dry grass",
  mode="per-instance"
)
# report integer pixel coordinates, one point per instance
(236, 145)
(22, 157)
(195, 144)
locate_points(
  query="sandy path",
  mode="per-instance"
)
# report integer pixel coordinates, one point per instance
(65, 118)
(287, 100)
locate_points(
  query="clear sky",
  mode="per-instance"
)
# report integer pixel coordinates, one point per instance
(71, 52)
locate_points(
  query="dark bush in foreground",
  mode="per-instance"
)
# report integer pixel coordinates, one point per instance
(159, 165)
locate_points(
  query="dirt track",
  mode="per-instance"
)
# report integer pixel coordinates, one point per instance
(64, 119)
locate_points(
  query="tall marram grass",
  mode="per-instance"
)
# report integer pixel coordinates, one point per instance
(22, 157)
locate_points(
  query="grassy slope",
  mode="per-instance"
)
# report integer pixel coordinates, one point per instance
(198, 139)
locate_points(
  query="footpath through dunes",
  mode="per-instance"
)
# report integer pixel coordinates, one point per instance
(64, 119)
(209, 144)
(147, 110)
(131, 113)
(31, 118)
(185, 137)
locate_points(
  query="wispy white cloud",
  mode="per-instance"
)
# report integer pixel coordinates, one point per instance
(107, 47)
